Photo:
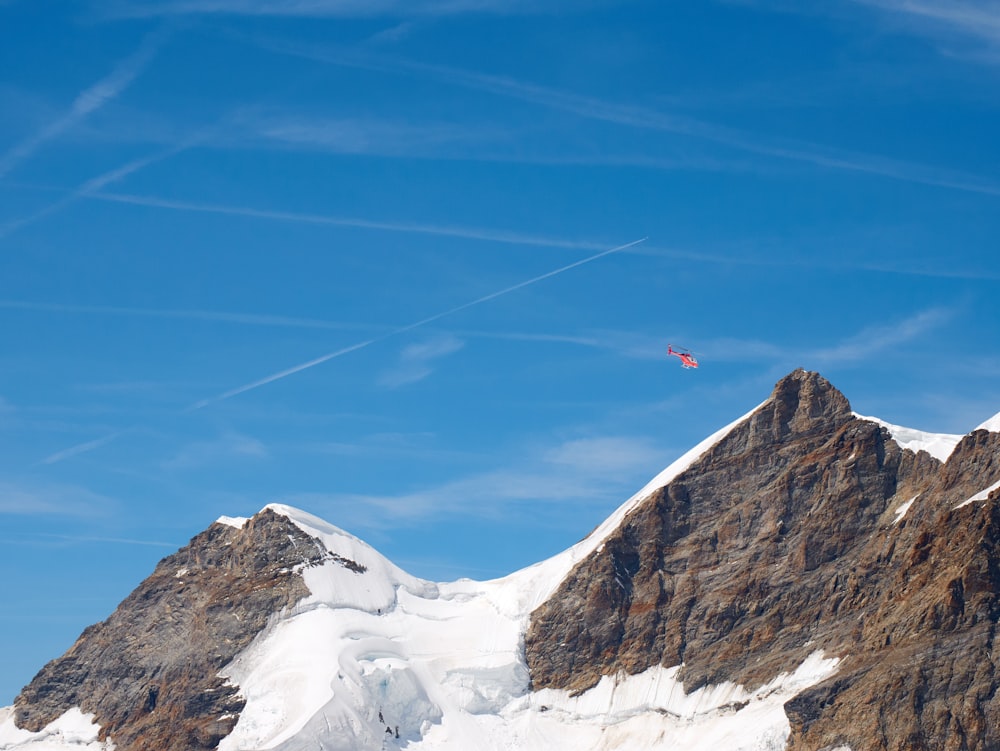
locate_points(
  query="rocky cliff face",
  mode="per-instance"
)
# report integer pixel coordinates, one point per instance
(149, 673)
(784, 539)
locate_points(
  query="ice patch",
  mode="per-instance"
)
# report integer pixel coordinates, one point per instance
(902, 509)
(982, 495)
(232, 521)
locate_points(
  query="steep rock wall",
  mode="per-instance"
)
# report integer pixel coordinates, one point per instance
(783, 539)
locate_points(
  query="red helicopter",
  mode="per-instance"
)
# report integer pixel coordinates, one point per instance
(687, 359)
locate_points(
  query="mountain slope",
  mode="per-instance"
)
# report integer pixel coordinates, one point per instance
(799, 578)
(784, 537)
(149, 673)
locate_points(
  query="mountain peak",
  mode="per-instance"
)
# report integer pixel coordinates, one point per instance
(159, 654)
(791, 532)
(804, 401)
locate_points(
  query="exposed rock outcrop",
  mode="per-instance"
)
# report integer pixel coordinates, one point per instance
(149, 673)
(782, 539)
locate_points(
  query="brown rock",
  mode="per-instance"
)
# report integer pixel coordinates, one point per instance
(782, 539)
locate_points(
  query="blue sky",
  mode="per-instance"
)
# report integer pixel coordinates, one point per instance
(360, 257)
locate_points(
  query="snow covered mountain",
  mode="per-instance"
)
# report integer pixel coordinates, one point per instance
(804, 578)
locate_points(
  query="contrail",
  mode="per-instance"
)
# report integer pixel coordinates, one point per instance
(282, 374)
(403, 329)
(248, 319)
(89, 100)
(92, 185)
(99, 442)
(651, 119)
(82, 448)
(468, 233)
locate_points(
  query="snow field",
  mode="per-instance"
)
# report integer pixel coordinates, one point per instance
(982, 495)
(370, 643)
(653, 705)
(73, 731)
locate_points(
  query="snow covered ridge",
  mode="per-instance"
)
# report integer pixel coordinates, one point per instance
(556, 568)
(938, 445)
(992, 425)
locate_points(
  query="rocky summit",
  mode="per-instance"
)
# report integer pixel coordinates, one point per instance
(802, 530)
(150, 673)
(784, 536)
